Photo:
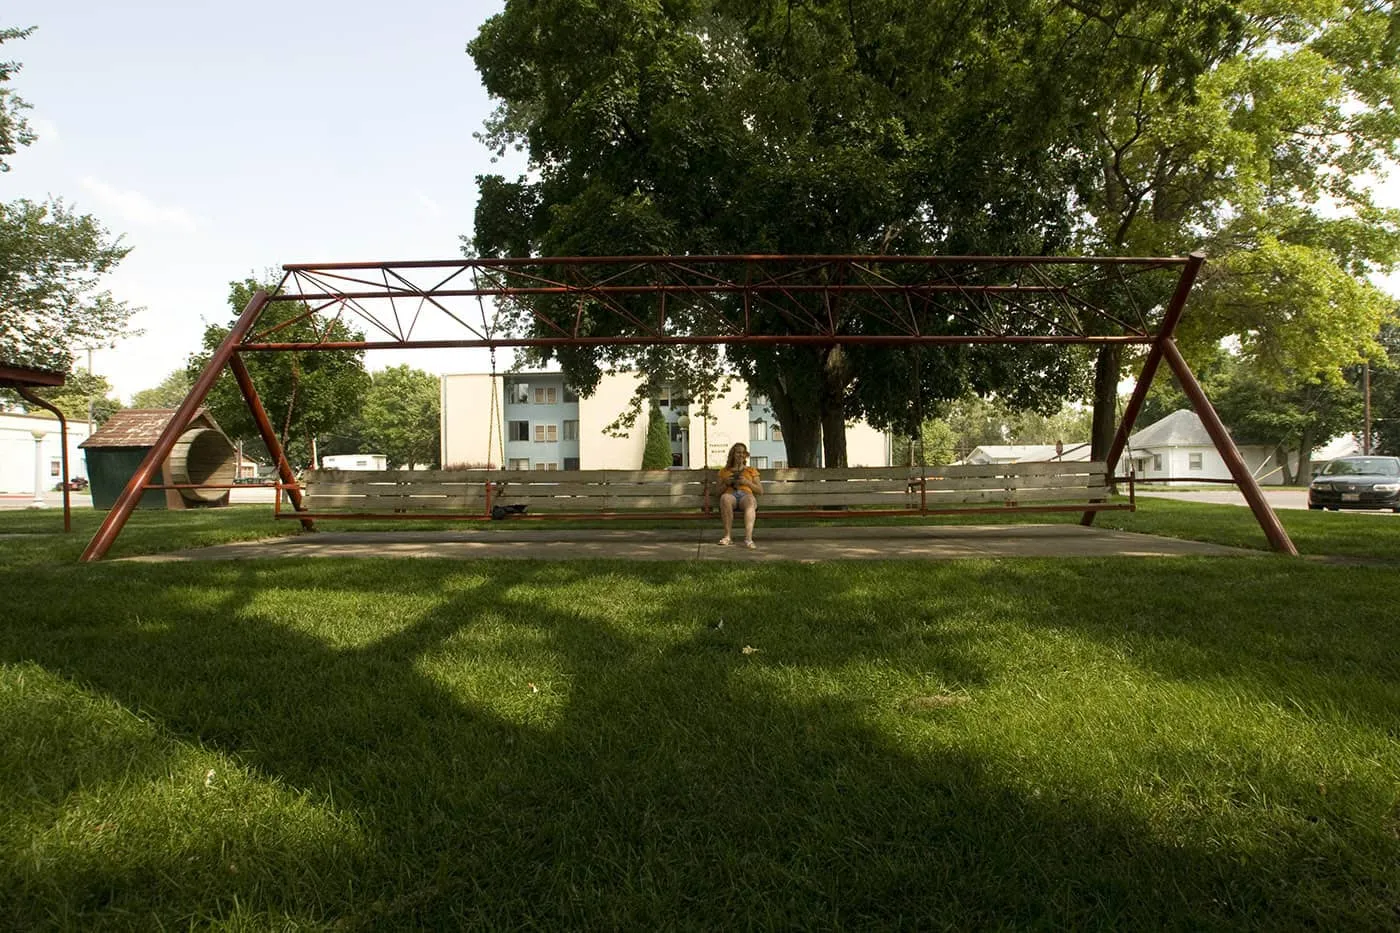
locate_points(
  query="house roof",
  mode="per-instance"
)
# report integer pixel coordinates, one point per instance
(141, 427)
(1182, 428)
(1014, 453)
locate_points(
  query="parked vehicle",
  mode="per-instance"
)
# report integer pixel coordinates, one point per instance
(1357, 483)
(76, 484)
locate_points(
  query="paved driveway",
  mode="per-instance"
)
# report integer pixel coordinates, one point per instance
(1228, 495)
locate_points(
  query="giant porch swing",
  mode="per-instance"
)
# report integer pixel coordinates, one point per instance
(899, 301)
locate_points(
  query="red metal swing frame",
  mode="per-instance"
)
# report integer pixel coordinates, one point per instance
(722, 300)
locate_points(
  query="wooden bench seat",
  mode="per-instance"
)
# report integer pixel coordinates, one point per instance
(484, 494)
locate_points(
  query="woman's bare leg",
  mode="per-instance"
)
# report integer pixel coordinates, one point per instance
(750, 513)
(726, 512)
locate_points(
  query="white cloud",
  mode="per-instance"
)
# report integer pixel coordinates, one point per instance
(46, 131)
(433, 208)
(135, 209)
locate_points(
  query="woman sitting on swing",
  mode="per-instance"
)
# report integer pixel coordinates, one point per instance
(739, 488)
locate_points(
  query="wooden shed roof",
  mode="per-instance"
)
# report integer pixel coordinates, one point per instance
(141, 427)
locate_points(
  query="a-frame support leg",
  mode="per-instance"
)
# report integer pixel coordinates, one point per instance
(1170, 319)
(269, 436)
(126, 503)
(1225, 445)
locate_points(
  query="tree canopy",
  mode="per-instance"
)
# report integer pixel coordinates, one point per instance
(400, 416)
(1031, 127)
(305, 393)
(52, 260)
(717, 127)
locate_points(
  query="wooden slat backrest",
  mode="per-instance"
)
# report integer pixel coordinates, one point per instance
(597, 491)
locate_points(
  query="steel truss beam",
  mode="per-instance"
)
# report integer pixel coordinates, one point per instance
(719, 300)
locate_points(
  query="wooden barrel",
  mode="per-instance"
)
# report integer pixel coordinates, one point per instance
(202, 455)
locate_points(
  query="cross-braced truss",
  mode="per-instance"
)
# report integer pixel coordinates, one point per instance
(658, 300)
(714, 300)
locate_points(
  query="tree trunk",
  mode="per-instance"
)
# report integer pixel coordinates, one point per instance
(802, 428)
(836, 375)
(1107, 370)
(1304, 458)
(834, 437)
(1281, 458)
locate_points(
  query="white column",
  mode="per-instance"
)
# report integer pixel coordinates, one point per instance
(40, 474)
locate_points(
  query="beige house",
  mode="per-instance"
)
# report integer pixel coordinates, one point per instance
(540, 424)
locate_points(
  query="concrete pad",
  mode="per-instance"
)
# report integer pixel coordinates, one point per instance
(824, 543)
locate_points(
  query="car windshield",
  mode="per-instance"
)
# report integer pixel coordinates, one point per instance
(1382, 466)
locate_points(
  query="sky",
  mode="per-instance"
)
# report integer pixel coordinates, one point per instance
(223, 140)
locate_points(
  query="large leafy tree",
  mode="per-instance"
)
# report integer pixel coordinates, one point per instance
(52, 260)
(1293, 418)
(712, 126)
(1247, 130)
(306, 393)
(400, 416)
(168, 394)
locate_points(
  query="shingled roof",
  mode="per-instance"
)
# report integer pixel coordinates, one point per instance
(141, 427)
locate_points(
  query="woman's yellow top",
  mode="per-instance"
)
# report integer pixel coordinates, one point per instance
(748, 479)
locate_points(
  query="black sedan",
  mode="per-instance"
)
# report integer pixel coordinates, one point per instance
(1357, 483)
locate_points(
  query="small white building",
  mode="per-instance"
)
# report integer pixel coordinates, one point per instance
(1179, 448)
(355, 462)
(1032, 453)
(18, 450)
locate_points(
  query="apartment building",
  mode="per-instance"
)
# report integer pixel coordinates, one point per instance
(542, 425)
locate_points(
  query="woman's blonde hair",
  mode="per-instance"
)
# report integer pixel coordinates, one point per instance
(734, 462)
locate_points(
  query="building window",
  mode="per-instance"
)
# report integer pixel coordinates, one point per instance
(546, 434)
(571, 463)
(779, 464)
(758, 401)
(663, 398)
(1157, 462)
(758, 463)
(570, 395)
(517, 393)
(777, 433)
(570, 432)
(675, 431)
(54, 467)
(1194, 461)
(546, 395)
(546, 466)
(519, 464)
(519, 430)
(677, 460)
(758, 431)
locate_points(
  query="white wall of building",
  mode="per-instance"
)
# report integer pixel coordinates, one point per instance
(1176, 463)
(17, 452)
(726, 425)
(598, 450)
(865, 446)
(465, 414)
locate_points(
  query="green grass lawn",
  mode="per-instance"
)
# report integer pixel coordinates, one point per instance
(340, 744)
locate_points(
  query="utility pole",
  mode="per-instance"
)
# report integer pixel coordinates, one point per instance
(1366, 393)
(89, 392)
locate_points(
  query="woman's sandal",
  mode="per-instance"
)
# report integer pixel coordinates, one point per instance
(725, 542)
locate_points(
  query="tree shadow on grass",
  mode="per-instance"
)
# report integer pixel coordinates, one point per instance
(519, 752)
